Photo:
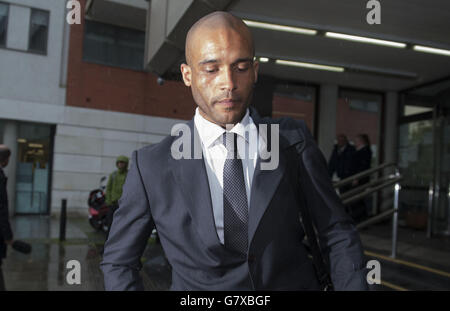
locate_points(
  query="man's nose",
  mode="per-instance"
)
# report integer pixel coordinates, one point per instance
(227, 80)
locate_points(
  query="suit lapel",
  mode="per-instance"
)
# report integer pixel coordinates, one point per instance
(264, 184)
(190, 175)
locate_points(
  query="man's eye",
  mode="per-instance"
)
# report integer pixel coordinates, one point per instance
(210, 70)
(242, 68)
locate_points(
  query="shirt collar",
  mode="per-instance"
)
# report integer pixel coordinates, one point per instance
(209, 132)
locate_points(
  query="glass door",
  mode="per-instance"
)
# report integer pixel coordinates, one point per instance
(441, 196)
(33, 169)
(424, 158)
(415, 158)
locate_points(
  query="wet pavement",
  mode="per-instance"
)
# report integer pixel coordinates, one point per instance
(421, 263)
(45, 268)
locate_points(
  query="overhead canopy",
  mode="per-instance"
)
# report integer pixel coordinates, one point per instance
(368, 66)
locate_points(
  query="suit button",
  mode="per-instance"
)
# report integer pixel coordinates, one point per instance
(251, 258)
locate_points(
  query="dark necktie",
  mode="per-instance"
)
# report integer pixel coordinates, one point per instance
(235, 205)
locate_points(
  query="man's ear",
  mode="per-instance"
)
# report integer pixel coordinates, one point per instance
(255, 69)
(186, 73)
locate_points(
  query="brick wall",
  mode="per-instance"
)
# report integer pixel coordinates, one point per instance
(109, 88)
(352, 122)
(288, 106)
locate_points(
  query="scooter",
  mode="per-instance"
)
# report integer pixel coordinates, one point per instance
(98, 210)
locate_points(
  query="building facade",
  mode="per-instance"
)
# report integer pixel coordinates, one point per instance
(74, 97)
(66, 118)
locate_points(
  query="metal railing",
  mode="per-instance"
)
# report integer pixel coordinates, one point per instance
(373, 186)
(430, 208)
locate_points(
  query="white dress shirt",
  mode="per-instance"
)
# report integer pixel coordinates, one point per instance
(215, 153)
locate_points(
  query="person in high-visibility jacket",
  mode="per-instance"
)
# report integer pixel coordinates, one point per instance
(114, 187)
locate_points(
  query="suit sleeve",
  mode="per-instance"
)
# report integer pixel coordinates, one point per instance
(128, 236)
(338, 237)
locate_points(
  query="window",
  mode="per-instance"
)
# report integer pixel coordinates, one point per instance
(410, 110)
(4, 8)
(113, 46)
(295, 101)
(359, 112)
(38, 31)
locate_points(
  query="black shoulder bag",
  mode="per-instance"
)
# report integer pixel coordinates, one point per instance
(318, 261)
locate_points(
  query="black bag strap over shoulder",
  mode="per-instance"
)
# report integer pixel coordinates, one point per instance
(308, 226)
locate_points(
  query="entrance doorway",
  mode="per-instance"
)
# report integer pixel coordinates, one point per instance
(33, 168)
(441, 182)
(424, 158)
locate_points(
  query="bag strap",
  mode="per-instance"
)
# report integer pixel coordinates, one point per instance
(319, 263)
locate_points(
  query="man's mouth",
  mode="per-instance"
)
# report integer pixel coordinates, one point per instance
(228, 102)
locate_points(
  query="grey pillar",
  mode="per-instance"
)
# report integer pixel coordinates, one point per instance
(391, 127)
(10, 139)
(64, 55)
(327, 118)
(390, 140)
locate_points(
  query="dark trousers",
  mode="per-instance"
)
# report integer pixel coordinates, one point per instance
(361, 210)
(344, 189)
(109, 217)
(358, 211)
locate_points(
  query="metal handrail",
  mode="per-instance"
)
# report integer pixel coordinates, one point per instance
(362, 174)
(371, 187)
(363, 187)
(375, 219)
(368, 190)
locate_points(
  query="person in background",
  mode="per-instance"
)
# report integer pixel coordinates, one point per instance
(114, 186)
(341, 160)
(361, 162)
(6, 235)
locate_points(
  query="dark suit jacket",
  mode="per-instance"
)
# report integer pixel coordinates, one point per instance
(361, 162)
(341, 163)
(174, 195)
(5, 228)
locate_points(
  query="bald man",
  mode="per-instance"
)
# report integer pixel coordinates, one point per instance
(225, 222)
(5, 228)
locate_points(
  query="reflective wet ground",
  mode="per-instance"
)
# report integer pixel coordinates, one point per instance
(45, 267)
(421, 263)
